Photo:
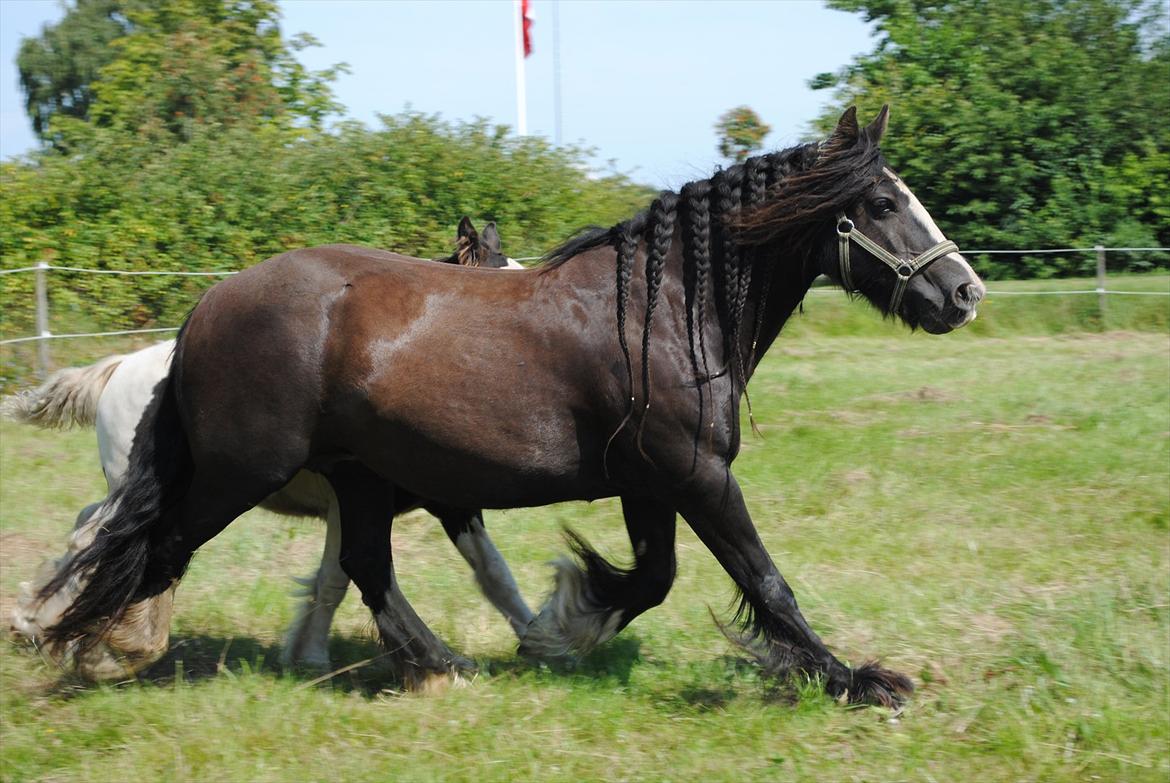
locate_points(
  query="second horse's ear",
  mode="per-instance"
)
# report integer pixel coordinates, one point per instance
(491, 238)
(467, 231)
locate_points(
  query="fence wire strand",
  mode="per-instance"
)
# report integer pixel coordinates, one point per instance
(1048, 250)
(87, 334)
(229, 272)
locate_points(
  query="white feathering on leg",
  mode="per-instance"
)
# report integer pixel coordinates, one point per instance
(569, 624)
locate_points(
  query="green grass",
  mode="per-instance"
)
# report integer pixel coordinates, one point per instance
(990, 515)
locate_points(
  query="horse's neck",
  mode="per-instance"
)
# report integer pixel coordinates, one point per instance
(779, 283)
(778, 286)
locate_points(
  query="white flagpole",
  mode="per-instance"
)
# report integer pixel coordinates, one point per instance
(556, 20)
(521, 98)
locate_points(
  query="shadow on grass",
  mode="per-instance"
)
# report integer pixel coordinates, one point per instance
(707, 686)
(360, 666)
(610, 664)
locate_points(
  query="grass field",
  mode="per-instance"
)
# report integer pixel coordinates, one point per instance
(989, 512)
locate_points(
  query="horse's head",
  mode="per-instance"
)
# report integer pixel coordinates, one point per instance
(884, 244)
(474, 249)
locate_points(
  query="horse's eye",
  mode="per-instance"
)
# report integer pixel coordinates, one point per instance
(882, 206)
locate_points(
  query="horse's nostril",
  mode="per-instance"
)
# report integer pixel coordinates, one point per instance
(968, 294)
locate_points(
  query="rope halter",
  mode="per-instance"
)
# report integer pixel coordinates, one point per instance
(903, 269)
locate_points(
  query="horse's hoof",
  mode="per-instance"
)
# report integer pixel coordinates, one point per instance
(459, 674)
(22, 622)
(436, 683)
(30, 617)
(873, 685)
(101, 664)
(301, 656)
(545, 640)
(308, 665)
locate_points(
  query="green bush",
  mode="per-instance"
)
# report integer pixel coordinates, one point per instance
(229, 198)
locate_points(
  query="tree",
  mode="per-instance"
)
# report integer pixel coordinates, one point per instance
(1034, 124)
(58, 68)
(211, 62)
(741, 132)
(159, 68)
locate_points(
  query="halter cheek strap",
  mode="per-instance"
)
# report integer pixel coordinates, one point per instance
(846, 231)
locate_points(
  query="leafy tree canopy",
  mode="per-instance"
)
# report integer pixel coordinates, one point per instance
(158, 68)
(200, 144)
(741, 132)
(57, 69)
(1030, 124)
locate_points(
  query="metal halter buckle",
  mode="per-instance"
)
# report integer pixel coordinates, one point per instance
(847, 223)
(905, 271)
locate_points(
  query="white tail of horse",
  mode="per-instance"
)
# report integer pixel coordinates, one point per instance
(69, 398)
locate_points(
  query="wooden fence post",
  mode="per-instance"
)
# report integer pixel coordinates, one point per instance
(42, 319)
(1101, 283)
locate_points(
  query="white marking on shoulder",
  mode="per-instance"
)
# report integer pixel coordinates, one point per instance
(513, 264)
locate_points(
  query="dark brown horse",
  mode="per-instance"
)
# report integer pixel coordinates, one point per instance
(113, 395)
(616, 369)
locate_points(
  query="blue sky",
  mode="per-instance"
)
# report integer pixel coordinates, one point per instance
(643, 81)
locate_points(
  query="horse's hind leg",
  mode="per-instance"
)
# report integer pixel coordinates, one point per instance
(32, 616)
(367, 511)
(595, 600)
(307, 643)
(466, 530)
(776, 632)
(212, 501)
(141, 636)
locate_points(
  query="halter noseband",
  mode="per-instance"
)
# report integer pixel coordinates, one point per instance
(903, 269)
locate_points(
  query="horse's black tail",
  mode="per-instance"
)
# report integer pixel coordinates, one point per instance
(115, 569)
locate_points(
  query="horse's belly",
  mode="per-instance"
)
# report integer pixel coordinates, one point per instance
(477, 463)
(307, 494)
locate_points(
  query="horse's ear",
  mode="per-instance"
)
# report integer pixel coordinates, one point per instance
(846, 131)
(467, 231)
(491, 237)
(876, 129)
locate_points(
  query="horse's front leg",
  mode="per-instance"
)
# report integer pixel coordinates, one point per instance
(466, 530)
(780, 637)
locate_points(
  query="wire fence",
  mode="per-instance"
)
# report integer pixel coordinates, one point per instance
(44, 335)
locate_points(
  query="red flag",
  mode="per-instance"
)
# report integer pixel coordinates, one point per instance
(526, 21)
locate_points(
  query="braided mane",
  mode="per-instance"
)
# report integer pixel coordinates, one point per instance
(741, 215)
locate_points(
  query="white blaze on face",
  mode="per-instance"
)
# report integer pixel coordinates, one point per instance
(919, 213)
